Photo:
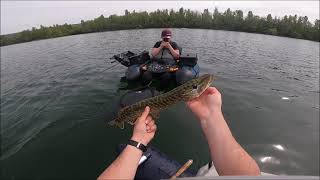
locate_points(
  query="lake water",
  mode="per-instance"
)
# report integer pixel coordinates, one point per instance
(56, 97)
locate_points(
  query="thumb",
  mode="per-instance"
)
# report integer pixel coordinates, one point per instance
(189, 103)
(211, 90)
(144, 114)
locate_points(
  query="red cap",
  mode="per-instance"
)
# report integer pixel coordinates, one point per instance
(166, 33)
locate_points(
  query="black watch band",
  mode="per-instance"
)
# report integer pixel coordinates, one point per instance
(138, 145)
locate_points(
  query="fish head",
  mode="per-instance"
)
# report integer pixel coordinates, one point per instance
(195, 87)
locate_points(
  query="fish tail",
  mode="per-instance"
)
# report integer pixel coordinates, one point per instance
(116, 123)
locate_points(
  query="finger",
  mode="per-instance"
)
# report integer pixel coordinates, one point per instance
(194, 99)
(151, 123)
(150, 126)
(190, 102)
(148, 119)
(211, 90)
(153, 128)
(144, 114)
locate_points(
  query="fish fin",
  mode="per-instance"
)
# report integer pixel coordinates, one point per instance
(112, 123)
(120, 125)
(116, 123)
(131, 123)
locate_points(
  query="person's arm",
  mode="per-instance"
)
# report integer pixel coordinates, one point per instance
(175, 52)
(227, 155)
(126, 164)
(157, 48)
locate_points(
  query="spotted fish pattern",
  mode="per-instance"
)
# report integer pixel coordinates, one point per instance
(185, 92)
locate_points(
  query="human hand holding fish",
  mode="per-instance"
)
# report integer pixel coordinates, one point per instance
(144, 128)
(207, 104)
(185, 92)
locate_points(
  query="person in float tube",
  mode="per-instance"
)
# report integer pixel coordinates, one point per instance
(228, 157)
(165, 52)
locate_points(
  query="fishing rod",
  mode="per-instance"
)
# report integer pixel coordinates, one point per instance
(182, 169)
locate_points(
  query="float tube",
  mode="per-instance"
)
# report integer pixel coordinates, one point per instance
(186, 68)
(158, 165)
(137, 95)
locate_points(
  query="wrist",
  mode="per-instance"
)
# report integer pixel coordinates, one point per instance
(213, 116)
(140, 140)
(137, 145)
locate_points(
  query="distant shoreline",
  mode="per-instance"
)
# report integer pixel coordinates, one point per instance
(157, 28)
(287, 26)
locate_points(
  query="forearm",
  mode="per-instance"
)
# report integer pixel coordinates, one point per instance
(175, 53)
(155, 51)
(125, 166)
(227, 155)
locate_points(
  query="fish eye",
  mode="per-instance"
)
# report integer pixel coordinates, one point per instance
(194, 86)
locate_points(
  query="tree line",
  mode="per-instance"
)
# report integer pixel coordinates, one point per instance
(288, 26)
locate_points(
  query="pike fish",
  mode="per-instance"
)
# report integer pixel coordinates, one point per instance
(185, 92)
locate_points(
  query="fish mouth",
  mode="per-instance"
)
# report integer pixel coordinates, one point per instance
(205, 82)
(210, 80)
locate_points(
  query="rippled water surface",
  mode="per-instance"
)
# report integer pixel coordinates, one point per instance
(56, 95)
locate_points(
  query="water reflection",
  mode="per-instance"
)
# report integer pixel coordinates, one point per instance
(270, 160)
(279, 147)
(45, 93)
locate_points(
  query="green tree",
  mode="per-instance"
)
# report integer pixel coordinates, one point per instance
(290, 26)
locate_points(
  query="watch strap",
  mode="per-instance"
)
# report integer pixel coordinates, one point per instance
(138, 145)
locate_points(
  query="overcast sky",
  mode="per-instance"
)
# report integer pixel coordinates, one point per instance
(21, 15)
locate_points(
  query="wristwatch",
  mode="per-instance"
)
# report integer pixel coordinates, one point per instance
(138, 145)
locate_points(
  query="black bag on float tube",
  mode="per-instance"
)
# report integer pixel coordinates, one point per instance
(129, 58)
(123, 58)
(139, 58)
(188, 59)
